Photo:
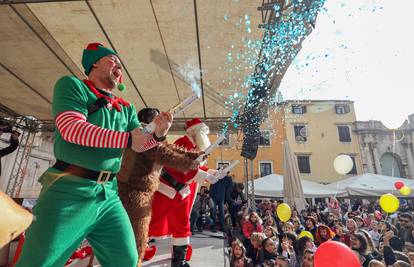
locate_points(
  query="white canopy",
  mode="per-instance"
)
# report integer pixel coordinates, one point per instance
(272, 186)
(370, 185)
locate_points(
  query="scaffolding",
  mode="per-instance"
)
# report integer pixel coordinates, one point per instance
(28, 128)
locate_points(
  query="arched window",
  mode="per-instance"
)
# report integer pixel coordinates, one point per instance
(391, 165)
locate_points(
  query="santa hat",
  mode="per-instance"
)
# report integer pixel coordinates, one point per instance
(94, 52)
(193, 123)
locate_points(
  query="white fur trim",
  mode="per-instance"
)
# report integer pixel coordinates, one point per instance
(196, 127)
(160, 237)
(181, 241)
(170, 192)
(166, 190)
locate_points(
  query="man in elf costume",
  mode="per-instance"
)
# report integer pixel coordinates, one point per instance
(79, 195)
(173, 201)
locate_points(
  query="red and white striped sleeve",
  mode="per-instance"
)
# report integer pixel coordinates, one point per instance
(74, 128)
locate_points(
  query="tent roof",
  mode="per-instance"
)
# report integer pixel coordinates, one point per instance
(43, 40)
(272, 186)
(370, 184)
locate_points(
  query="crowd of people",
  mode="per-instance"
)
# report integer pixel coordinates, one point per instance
(257, 237)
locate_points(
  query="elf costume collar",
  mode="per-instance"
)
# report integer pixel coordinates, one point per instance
(113, 101)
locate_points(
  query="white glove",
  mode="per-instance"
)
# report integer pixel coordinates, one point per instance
(201, 176)
(211, 178)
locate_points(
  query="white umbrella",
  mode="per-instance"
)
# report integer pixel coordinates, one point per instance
(292, 185)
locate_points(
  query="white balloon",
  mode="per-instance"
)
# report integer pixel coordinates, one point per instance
(343, 164)
(392, 124)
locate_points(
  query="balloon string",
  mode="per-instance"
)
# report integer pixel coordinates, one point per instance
(393, 153)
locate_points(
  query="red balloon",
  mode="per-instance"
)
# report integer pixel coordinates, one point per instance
(335, 254)
(398, 185)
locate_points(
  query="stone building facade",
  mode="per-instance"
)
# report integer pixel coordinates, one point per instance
(384, 151)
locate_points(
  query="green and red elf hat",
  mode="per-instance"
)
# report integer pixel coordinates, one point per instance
(94, 52)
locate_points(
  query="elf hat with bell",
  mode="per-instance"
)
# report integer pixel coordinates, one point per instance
(94, 52)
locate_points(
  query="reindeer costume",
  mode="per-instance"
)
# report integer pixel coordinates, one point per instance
(138, 179)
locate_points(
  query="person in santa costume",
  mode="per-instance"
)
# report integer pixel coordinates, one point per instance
(173, 201)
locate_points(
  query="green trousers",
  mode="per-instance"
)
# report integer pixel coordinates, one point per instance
(71, 209)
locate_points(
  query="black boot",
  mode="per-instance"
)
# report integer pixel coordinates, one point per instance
(178, 256)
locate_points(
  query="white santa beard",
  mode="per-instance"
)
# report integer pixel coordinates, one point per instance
(202, 141)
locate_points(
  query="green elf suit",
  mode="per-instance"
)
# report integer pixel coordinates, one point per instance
(71, 208)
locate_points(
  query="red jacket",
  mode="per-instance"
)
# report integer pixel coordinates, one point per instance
(183, 177)
(248, 228)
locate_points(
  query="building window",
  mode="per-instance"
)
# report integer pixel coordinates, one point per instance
(298, 109)
(266, 168)
(304, 164)
(264, 139)
(221, 164)
(342, 109)
(301, 133)
(344, 134)
(226, 142)
(354, 167)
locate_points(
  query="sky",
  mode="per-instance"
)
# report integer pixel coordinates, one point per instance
(360, 50)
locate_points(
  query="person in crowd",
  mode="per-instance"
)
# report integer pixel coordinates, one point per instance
(269, 250)
(271, 232)
(406, 230)
(323, 234)
(302, 244)
(253, 224)
(269, 220)
(351, 227)
(218, 195)
(263, 206)
(371, 245)
(254, 250)
(330, 220)
(14, 142)
(298, 227)
(238, 256)
(308, 258)
(360, 245)
(316, 215)
(286, 247)
(282, 261)
(235, 201)
(288, 227)
(310, 225)
(391, 256)
(340, 234)
(374, 232)
(411, 258)
(360, 222)
(199, 217)
(376, 263)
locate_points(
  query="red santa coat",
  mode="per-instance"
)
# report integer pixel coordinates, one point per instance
(171, 209)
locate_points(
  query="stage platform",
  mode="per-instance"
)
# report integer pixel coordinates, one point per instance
(208, 251)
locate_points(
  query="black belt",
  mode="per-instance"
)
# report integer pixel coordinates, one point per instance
(100, 177)
(172, 182)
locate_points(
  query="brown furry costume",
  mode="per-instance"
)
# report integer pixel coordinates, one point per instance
(138, 179)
